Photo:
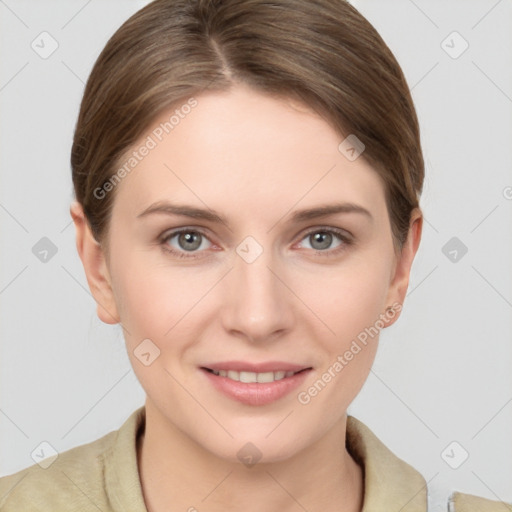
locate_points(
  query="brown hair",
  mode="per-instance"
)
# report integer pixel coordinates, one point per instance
(323, 53)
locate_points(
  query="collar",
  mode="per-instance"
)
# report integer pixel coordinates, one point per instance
(389, 482)
(122, 480)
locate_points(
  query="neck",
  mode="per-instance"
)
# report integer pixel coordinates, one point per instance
(176, 473)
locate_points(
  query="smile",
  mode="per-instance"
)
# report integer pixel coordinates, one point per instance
(249, 377)
(255, 388)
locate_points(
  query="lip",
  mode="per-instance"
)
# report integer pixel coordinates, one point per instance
(267, 366)
(256, 393)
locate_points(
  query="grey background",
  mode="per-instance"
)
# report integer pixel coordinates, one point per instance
(442, 373)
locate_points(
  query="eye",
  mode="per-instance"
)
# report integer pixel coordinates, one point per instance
(185, 241)
(189, 243)
(326, 240)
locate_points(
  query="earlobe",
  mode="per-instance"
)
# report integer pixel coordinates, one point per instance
(400, 279)
(93, 259)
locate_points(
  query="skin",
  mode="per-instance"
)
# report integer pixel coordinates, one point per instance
(256, 160)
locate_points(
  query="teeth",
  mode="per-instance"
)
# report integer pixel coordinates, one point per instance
(267, 377)
(249, 377)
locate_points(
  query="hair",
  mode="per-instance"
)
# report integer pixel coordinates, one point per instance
(323, 53)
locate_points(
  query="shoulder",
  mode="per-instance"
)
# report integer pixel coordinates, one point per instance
(392, 484)
(72, 481)
(460, 502)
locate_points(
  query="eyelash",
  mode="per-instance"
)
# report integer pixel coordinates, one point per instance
(341, 235)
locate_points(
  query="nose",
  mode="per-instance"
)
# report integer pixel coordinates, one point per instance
(258, 306)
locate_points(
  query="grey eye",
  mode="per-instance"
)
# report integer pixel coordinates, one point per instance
(322, 240)
(188, 241)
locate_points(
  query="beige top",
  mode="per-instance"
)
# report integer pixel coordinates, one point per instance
(103, 476)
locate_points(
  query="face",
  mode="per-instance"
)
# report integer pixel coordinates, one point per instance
(246, 241)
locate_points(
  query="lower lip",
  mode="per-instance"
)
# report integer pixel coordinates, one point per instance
(256, 393)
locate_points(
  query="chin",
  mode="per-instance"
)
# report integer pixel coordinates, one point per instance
(257, 452)
(254, 443)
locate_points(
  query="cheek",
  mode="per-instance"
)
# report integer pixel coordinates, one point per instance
(161, 304)
(349, 302)
(156, 299)
(347, 298)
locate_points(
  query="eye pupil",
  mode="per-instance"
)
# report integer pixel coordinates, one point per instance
(324, 239)
(189, 241)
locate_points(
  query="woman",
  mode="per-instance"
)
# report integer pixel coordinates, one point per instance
(247, 177)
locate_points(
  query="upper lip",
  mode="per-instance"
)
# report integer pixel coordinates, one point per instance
(266, 366)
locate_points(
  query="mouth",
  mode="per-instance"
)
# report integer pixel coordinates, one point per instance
(251, 377)
(255, 384)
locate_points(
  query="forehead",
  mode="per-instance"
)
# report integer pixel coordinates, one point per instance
(241, 148)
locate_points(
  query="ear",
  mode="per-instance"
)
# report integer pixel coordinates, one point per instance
(93, 259)
(400, 278)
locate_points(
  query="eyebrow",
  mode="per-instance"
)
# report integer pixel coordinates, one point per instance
(164, 207)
